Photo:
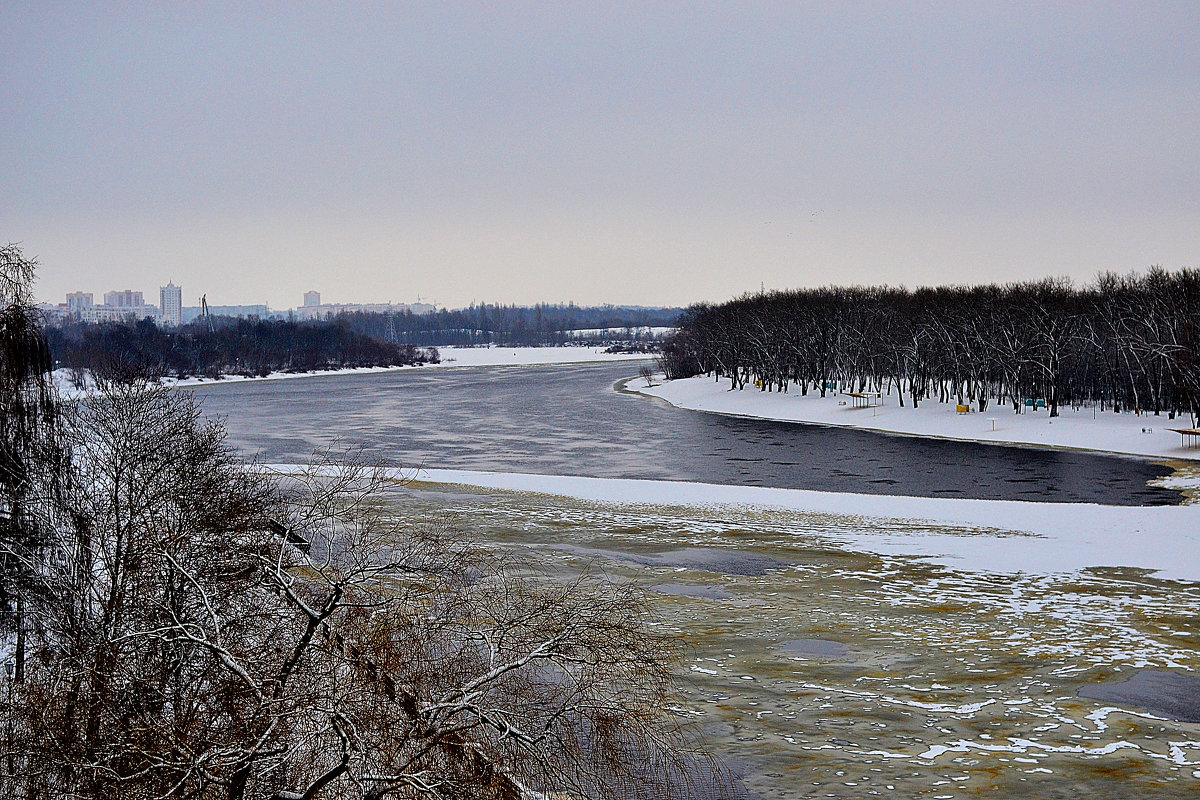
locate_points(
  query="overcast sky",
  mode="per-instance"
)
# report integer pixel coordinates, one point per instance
(653, 153)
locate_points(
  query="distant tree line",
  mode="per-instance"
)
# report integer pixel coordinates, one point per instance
(1123, 342)
(216, 346)
(507, 325)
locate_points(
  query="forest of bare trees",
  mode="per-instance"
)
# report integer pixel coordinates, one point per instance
(213, 347)
(489, 323)
(177, 623)
(1123, 342)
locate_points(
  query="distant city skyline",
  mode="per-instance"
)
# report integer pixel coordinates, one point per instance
(308, 299)
(126, 297)
(621, 153)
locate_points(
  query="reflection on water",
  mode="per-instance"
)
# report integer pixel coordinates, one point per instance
(568, 420)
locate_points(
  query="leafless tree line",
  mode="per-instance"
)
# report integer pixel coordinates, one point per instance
(1122, 342)
(175, 624)
(221, 346)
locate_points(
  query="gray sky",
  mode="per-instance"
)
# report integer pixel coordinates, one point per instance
(655, 153)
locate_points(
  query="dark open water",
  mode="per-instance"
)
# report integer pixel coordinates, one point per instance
(567, 420)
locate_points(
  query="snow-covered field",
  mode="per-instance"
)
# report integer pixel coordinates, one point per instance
(1084, 429)
(641, 330)
(972, 535)
(451, 357)
(521, 356)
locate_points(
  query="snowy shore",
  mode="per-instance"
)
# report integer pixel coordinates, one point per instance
(452, 357)
(974, 535)
(1082, 429)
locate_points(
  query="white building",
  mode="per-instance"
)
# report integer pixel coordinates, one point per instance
(54, 314)
(313, 308)
(109, 313)
(118, 306)
(170, 300)
(322, 311)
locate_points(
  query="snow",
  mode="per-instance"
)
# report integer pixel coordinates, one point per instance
(637, 330)
(1082, 429)
(452, 357)
(528, 356)
(1001, 536)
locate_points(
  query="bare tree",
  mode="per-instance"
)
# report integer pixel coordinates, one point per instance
(213, 631)
(1130, 343)
(31, 457)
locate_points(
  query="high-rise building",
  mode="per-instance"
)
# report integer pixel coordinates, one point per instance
(78, 302)
(312, 298)
(170, 300)
(124, 299)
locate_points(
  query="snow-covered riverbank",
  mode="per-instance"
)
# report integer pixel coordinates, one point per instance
(972, 535)
(1083, 429)
(452, 357)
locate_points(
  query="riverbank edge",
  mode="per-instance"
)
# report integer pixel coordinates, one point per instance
(1003, 536)
(62, 381)
(1181, 464)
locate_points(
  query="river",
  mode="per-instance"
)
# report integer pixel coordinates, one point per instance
(568, 420)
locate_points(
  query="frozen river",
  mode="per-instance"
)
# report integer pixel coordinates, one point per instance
(568, 420)
(816, 669)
